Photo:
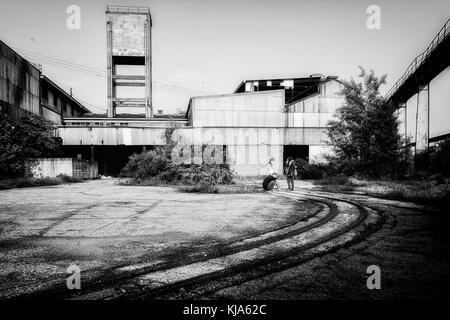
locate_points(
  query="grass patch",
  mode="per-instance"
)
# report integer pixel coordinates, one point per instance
(68, 179)
(222, 189)
(191, 188)
(36, 182)
(334, 180)
(430, 192)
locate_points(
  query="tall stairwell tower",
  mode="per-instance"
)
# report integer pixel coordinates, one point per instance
(129, 63)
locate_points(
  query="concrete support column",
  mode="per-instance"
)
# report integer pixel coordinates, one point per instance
(92, 152)
(109, 69)
(148, 69)
(422, 119)
(402, 118)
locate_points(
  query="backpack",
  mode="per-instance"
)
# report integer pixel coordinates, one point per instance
(288, 168)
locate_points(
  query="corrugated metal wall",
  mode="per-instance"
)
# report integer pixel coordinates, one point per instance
(258, 109)
(318, 110)
(110, 136)
(19, 81)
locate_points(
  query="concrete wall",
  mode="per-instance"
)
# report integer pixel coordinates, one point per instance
(440, 104)
(128, 34)
(248, 149)
(19, 83)
(411, 116)
(52, 167)
(427, 112)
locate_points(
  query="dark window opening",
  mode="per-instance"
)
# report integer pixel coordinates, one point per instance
(296, 152)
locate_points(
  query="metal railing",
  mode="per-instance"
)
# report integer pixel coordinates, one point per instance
(127, 9)
(420, 59)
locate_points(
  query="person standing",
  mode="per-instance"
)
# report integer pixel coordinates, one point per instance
(290, 173)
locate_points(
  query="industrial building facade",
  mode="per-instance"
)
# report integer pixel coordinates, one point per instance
(19, 84)
(261, 119)
(24, 89)
(250, 126)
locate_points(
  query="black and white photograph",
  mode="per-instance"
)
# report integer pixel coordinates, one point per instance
(224, 154)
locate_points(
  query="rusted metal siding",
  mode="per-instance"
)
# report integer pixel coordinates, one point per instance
(306, 136)
(316, 111)
(19, 82)
(51, 115)
(110, 136)
(258, 109)
(248, 149)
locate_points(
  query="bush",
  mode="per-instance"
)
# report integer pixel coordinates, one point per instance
(309, 171)
(68, 179)
(155, 168)
(440, 159)
(212, 174)
(200, 188)
(30, 136)
(146, 164)
(25, 182)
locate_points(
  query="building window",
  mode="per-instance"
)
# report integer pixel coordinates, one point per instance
(45, 94)
(288, 83)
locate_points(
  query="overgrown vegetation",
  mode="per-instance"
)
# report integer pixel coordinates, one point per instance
(26, 182)
(30, 136)
(435, 163)
(429, 192)
(370, 157)
(155, 167)
(365, 135)
(229, 189)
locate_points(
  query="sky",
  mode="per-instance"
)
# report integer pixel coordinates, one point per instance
(209, 46)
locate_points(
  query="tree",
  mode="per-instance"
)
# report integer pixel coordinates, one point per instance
(30, 136)
(365, 133)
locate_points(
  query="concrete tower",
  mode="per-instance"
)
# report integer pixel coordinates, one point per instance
(129, 73)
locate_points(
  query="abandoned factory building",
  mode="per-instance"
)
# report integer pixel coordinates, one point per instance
(261, 119)
(271, 118)
(24, 89)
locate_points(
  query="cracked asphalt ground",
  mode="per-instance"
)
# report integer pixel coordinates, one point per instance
(99, 225)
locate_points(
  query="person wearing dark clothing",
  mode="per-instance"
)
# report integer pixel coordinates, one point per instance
(290, 173)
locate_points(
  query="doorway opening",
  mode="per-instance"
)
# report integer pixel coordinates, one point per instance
(296, 152)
